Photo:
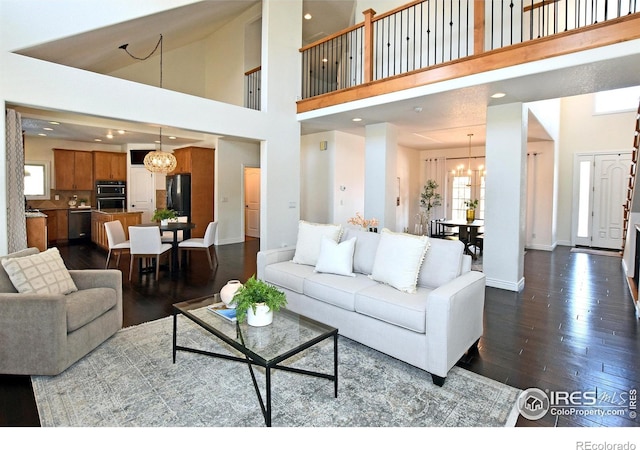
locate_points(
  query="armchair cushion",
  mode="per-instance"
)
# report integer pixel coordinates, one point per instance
(87, 305)
(42, 273)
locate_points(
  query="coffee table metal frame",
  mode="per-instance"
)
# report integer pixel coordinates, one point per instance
(252, 358)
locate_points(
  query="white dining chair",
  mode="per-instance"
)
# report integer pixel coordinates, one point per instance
(167, 236)
(205, 243)
(146, 243)
(117, 240)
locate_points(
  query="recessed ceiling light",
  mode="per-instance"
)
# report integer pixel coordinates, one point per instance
(54, 123)
(356, 119)
(120, 131)
(109, 136)
(48, 129)
(172, 137)
(98, 140)
(41, 134)
(498, 95)
(308, 16)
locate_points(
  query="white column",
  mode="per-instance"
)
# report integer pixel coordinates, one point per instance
(506, 161)
(380, 174)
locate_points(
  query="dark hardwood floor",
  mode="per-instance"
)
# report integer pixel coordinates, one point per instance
(572, 328)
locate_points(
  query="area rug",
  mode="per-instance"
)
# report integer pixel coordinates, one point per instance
(130, 381)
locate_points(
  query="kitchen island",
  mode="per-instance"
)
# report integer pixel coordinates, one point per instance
(100, 217)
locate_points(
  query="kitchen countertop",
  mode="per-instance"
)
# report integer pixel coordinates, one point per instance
(115, 211)
(34, 214)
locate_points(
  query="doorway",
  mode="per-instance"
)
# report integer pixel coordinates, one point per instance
(600, 189)
(252, 202)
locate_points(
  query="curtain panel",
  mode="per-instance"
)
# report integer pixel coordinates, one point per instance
(16, 222)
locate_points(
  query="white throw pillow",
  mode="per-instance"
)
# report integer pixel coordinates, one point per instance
(42, 273)
(398, 260)
(309, 239)
(336, 257)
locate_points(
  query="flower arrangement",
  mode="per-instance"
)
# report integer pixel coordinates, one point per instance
(358, 220)
(471, 204)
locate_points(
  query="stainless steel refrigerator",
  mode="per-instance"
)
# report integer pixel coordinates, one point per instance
(179, 194)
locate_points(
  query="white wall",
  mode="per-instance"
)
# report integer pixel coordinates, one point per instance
(317, 174)
(539, 232)
(349, 172)
(231, 159)
(409, 172)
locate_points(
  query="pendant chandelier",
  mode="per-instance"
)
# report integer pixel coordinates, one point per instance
(156, 161)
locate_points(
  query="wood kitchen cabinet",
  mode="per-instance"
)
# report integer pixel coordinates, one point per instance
(199, 162)
(37, 232)
(98, 219)
(57, 225)
(109, 166)
(73, 170)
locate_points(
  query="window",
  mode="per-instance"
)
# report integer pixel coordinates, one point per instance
(459, 194)
(618, 100)
(36, 180)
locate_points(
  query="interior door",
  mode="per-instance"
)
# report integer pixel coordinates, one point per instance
(252, 201)
(141, 192)
(610, 183)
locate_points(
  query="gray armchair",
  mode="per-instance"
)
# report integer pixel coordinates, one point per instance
(45, 334)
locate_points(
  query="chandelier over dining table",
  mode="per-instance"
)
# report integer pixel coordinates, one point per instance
(156, 161)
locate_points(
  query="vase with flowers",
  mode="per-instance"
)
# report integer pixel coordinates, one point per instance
(366, 224)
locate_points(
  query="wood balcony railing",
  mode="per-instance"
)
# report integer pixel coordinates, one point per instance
(252, 83)
(427, 41)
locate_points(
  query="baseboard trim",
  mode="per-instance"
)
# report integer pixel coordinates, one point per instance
(506, 285)
(546, 248)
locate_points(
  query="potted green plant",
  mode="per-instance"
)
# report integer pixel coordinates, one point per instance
(429, 199)
(83, 201)
(163, 215)
(471, 209)
(256, 301)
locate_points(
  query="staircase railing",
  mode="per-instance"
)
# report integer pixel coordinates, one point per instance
(427, 33)
(626, 208)
(252, 82)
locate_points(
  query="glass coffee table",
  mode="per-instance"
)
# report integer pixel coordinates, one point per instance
(268, 346)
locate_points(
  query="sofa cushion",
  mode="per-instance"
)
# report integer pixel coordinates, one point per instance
(6, 286)
(288, 275)
(336, 258)
(441, 264)
(309, 239)
(365, 251)
(398, 259)
(41, 273)
(390, 305)
(87, 305)
(336, 290)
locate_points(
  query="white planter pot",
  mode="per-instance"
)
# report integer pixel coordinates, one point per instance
(263, 316)
(164, 222)
(228, 291)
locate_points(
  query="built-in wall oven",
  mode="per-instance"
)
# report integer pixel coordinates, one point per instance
(111, 194)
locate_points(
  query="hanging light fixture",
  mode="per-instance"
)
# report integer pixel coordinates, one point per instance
(157, 160)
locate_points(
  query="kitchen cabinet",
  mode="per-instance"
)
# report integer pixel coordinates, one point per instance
(98, 219)
(57, 225)
(73, 170)
(109, 166)
(37, 232)
(199, 162)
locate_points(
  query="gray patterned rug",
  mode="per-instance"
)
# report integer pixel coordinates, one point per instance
(130, 381)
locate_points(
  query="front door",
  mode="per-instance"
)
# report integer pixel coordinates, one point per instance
(602, 188)
(141, 195)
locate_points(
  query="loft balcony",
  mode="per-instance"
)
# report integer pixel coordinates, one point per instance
(430, 41)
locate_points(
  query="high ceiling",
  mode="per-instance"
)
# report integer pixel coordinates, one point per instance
(431, 121)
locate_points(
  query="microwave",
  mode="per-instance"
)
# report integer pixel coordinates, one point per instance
(110, 188)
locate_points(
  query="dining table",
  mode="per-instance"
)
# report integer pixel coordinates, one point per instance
(174, 227)
(467, 232)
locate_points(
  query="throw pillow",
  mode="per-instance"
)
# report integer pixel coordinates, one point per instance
(398, 260)
(42, 273)
(309, 239)
(336, 257)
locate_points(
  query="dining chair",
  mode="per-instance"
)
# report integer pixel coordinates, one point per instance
(117, 240)
(146, 243)
(167, 236)
(205, 243)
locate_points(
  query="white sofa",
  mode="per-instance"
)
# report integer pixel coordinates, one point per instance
(430, 329)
